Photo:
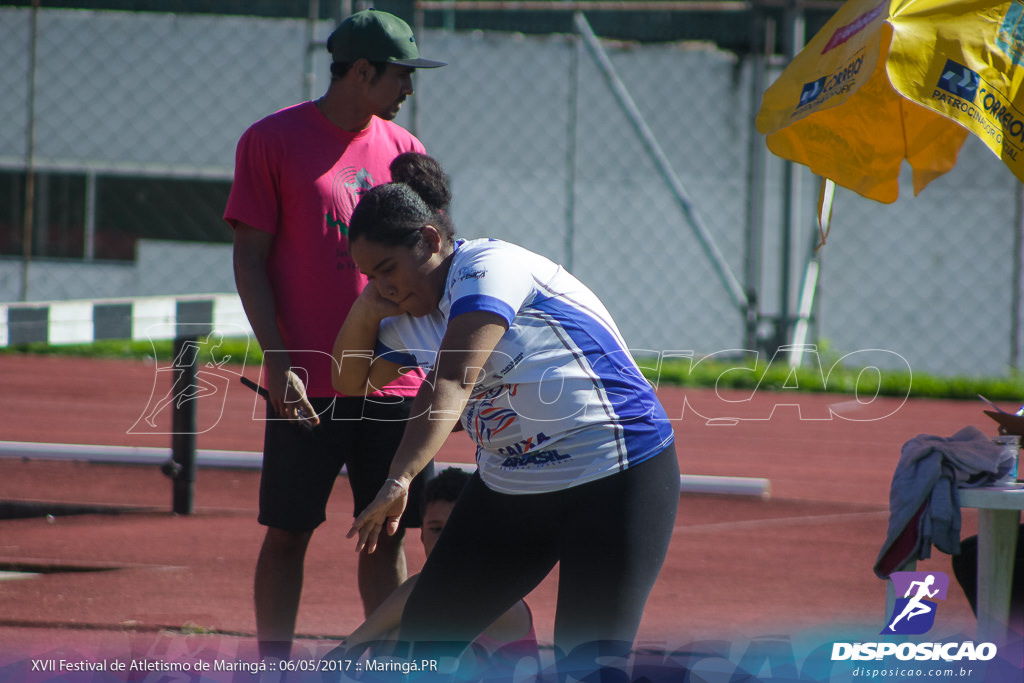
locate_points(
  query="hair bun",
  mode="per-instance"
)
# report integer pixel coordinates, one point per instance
(425, 177)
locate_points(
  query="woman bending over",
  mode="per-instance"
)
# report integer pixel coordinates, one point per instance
(576, 462)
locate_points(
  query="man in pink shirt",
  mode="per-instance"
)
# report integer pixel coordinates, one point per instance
(298, 175)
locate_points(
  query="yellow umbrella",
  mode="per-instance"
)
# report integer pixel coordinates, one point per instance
(901, 79)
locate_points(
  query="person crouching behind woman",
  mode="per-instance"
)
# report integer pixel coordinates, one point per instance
(507, 645)
(576, 457)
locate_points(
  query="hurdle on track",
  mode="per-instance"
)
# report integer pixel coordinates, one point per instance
(138, 455)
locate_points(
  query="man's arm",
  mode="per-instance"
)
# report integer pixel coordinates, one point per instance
(250, 253)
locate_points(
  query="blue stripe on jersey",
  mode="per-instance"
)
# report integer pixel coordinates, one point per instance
(403, 358)
(483, 302)
(641, 416)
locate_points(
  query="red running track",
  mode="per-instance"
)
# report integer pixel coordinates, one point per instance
(739, 568)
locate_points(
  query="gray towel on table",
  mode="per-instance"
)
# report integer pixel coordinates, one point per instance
(928, 473)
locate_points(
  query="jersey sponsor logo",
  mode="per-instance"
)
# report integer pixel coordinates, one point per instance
(492, 420)
(524, 446)
(540, 458)
(488, 420)
(510, 366)
(470, 273)
(488, 395)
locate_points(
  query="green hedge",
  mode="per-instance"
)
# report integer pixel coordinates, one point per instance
(703, 372)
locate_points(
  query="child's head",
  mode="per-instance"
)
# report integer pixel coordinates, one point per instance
(439, 496)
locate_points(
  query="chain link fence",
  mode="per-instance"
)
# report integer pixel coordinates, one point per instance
(634, 163)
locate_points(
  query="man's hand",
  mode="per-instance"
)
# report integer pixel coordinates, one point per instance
(288, 396)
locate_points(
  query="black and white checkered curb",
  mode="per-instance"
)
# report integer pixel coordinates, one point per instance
(138, 319)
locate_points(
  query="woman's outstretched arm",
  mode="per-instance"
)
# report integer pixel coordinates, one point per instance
(467, 344)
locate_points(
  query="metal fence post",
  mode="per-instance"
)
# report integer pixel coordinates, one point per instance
(183, 439)
(28, 222)
(571, 134)
(1017, 295)
(657, 156)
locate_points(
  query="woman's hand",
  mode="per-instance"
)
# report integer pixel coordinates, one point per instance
(383, 513)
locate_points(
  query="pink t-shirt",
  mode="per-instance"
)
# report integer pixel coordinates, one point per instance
(298, 177)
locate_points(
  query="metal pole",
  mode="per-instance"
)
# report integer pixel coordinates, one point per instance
(792, 195)
(764, 30)
(1017, 296)
(183, 440)
(418, 26)
(89, 252)
(449, 15)
(309, 77)
(805, 311)
(657, 155)
(28, 218)
(570, 154)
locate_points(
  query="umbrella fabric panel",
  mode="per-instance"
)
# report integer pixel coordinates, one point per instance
(862, 144)
(960, 59)
(886, 82)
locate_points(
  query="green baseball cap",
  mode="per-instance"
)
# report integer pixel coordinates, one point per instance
(378, 37)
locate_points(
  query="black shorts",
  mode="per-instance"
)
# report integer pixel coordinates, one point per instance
(300, 465)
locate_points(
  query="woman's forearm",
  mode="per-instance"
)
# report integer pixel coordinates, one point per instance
(435, 413)
(468, 342)
(353, 350)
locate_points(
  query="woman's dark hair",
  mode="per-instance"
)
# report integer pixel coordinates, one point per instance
(393, 214)
(425, 176)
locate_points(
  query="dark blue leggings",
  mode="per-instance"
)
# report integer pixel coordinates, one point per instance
(610, 537)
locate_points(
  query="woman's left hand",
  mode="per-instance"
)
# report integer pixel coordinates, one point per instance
(383, 513)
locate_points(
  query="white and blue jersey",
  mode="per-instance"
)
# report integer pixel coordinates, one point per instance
(560, 402)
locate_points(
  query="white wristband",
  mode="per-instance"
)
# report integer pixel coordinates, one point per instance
(404, 487)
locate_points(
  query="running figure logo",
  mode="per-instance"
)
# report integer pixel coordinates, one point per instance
(914, 613)
(173, 388)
